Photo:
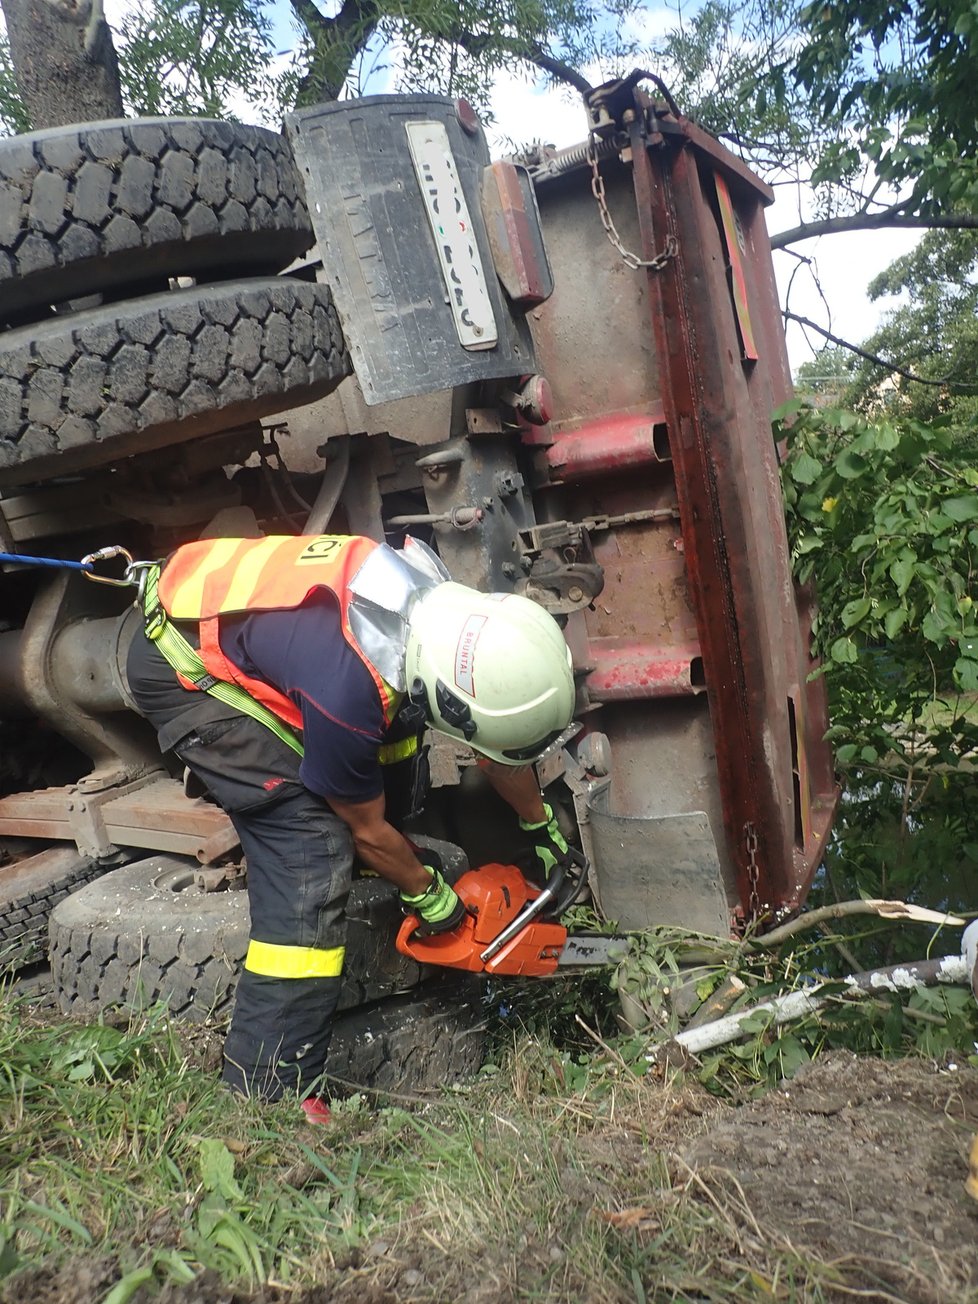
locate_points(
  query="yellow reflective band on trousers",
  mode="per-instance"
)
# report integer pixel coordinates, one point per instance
(274, 961)
(391, 753)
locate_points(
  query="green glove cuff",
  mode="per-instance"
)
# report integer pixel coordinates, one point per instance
(548, 817)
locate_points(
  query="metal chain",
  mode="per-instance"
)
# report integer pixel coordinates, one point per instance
(753, 872)
(656, 263)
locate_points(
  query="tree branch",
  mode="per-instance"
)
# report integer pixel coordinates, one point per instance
(310, 17)
(531, 51)
(889, 217)
(854, 348)
(337, 42)
(93, 30)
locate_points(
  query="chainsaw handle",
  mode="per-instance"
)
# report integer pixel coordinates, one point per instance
(576, 885)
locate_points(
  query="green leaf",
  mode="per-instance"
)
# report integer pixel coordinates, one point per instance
(126, 1287)
(62, 1219)
(217, 1168)
(9, 1259)
(894, 621)
(844, 651)
(846, 753)
(850, 465)
(854, 612)
(902, 571)
(804, 468)
(808, 543)
(964, 508)
(887, 438)
(934, 627)
(966, 674)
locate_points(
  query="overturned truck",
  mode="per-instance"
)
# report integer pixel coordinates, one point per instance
(560, 373)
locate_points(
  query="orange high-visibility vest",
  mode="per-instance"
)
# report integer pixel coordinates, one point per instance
(211, 578)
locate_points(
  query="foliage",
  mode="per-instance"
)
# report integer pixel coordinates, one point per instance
(209, 58)
(13, 112)
(932, 333)
(825, 379)
(885, 514)
(912, 836)
(452, 47)
(725, 64)
(903, 75)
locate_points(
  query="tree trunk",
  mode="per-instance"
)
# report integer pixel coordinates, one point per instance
(64, 60)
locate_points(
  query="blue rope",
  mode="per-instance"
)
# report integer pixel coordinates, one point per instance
(16, 559)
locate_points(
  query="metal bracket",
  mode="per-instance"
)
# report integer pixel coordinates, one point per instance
(85, 814)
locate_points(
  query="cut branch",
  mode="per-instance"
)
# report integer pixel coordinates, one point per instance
(808, 1000)
(898, 910)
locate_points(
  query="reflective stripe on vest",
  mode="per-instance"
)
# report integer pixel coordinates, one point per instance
(391, 753)
(272, 961)
(213, 577)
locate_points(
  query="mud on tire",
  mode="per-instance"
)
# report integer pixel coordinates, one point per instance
(79, 390)
(111, 204)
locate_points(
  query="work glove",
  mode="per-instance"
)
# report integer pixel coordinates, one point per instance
(549, 846)
(439, 907)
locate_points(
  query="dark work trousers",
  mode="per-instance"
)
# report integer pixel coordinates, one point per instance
(300, 857)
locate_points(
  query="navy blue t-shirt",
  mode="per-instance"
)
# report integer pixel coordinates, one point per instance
(303, 653)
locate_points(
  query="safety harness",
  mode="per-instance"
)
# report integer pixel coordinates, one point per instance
(182, 657)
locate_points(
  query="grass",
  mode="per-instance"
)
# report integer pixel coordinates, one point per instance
(554, 1177)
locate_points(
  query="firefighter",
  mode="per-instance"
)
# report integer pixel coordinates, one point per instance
(284, 672)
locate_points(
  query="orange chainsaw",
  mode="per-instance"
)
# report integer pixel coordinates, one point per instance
(511, 928)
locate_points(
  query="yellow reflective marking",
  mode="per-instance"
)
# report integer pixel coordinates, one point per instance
(275, 961)
(391, 753)
(248, 572)
(188, 598)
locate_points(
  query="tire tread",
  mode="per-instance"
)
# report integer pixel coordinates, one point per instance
(98, 205)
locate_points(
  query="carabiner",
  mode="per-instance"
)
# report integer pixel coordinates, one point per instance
(106, 554)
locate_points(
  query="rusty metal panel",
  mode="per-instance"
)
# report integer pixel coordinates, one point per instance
(158, 815)
(696, 648)
(718, 409)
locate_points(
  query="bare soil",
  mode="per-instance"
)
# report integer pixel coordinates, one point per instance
(858, 1164)
(861, 1162)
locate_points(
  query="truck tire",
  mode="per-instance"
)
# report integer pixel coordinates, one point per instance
(29, 890)
(80, 390)
(105, 205)
(146, 933)
(417, 1042)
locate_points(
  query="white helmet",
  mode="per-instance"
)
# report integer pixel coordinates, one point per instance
(491, 668)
